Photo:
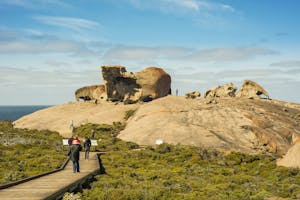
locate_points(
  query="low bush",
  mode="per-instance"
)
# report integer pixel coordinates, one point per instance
(26, 153)
(182, 172)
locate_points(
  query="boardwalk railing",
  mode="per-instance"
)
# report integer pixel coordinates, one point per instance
(54, 184)
(4, 186)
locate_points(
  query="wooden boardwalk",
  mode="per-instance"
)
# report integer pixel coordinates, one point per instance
(49, 186)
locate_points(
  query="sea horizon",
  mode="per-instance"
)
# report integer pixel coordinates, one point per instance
(14, 112)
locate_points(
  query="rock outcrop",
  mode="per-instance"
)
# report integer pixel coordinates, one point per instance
(91, 93)
(251, 90)
(291, 159)
(233, 124)
(192, 95)
(227, 90)
(58, 118)
(146, 85)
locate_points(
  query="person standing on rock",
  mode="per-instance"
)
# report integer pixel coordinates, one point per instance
(87, 146)
(72, 127)
(74, 154)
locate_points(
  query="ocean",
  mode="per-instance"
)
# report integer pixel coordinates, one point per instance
(15, 112)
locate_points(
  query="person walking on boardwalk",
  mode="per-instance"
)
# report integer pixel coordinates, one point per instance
(74, 153)
(87, 146)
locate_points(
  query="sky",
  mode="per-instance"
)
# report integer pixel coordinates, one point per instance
(50, 48)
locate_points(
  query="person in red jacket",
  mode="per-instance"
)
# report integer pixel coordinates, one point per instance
(74, 154)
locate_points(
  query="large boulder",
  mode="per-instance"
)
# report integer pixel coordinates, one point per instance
(150, 83)
(91, 93)
(251, 90)
(227, 90)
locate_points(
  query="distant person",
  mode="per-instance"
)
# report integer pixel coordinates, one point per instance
(93, 133)
(176, 92)
(72, 126)
(74, 154)
(87, 145)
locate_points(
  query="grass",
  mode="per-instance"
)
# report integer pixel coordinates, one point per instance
(25, 153)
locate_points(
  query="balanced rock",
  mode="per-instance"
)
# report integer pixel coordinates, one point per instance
(251, 90)
(89, 93)
(150, 83)
(192, 95)
(227, 90)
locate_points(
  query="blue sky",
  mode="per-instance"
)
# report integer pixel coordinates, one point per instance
(49, 48)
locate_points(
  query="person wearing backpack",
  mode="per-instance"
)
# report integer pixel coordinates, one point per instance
(74, 154)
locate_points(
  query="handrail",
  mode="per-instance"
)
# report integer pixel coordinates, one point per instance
(4, 186)
(59, 194)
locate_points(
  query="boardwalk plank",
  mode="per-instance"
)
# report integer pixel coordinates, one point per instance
(45, 186)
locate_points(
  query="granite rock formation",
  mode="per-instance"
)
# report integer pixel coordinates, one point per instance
(227, 90)
(91, 93)
(233, 124)
(146, 85)
(251, 90)
(192, 95)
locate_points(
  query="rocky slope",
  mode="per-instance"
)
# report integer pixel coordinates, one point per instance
(228, 124)
(58, 118)
(245, 125)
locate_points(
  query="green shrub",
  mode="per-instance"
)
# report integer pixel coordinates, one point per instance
(26, 153)
(129, 113)
(181, 172)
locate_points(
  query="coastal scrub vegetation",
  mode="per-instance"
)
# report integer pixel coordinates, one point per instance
(161, 172)
(25, 153)
(106, 136)
(183, 172)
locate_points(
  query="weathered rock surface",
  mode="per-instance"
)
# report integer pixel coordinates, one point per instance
(93, 92)
(192, 95)
(245, 125)
(58, 118)
(233, 124)
(148, 84)
(227, 90)
(251, 90)
(292, 157)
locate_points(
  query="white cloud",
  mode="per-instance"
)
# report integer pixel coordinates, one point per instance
(179, 6)
(230, 54)
(206, 14)
(186, 54)
(68, 22)
(34, 4)
(21, 3)
(53, 63)
(145, 53)
(48, 78)
(187, 4)
(29, 47)
(287, 63)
